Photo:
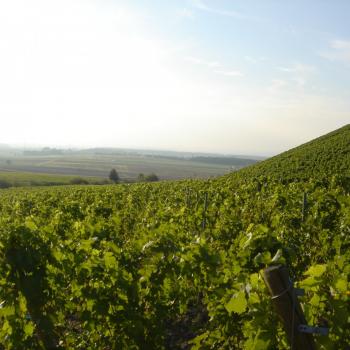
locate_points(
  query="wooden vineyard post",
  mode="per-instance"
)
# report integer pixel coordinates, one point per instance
(205, 210)
(188, 198)
(286, 303)
(304, 208)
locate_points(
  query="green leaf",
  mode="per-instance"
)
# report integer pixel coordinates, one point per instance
(22, 304)
(7, 311)
(309, 282)
(341, 285)
(29, 329)
(315, 300)
(258, 341)
(254, 280)
(90, 304)
(263, 258)
(278, 258)
(257, 344)
(31, 224)
(58, 255)
(6, 328)
(110, 260)
(254, 298)
(316, 270)
(237, 304)
(197, 341)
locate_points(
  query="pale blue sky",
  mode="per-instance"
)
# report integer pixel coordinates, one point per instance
(241, 77)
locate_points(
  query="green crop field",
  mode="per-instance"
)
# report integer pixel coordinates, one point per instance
(24, 179)
(177, 265)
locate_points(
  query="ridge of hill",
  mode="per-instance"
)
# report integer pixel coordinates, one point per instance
(324, 156)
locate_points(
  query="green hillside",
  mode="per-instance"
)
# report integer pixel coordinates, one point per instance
(324, 156)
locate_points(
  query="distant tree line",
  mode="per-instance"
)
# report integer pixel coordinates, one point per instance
(230, 161)
(114, 177)
(47, 151)
(83, 181)
(148, 178)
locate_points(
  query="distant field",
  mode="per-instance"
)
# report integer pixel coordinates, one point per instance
(99, 165)
(23, 179)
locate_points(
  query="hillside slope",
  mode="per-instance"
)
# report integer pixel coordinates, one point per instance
(324, 156)
(177, 264)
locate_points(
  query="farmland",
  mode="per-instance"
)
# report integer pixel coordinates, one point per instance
(129, 164)
(27, 179)
(177, 265)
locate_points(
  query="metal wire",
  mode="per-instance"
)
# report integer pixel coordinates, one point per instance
(282, 293)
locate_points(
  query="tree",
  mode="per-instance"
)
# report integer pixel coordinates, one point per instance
(152, 178)
(79, 181)
(141, 177)
(113, 176)
(4, 184)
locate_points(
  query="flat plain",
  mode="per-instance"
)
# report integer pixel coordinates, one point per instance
(96, 166)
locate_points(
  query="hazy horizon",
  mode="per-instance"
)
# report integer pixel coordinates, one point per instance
(63, 147)
(242, 78)
(135, 148)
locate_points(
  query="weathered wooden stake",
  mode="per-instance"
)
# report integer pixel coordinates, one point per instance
(303, 215)
(188, 198)
(286, 303)
(205, 210)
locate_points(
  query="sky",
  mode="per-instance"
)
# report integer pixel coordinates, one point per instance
(224, 76)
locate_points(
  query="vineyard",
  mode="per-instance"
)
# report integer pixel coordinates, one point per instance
(177, 265)
(324, 156)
